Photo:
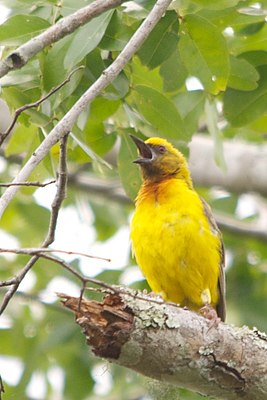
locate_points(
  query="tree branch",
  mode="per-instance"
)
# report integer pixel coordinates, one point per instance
(58, 199)
(246, 165)
(174, 345)
(65, 124)
(65, 26)
(253, 229)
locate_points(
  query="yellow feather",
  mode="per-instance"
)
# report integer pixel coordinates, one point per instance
(173, 240)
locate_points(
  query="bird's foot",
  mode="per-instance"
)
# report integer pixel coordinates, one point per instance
(210, 313)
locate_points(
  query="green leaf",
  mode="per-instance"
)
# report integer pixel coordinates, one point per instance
(86, 39)
(240, 108)
(102, 108)
(16, 98)
(256, 42)
(216, 5)
(17, 143)
(52, 64)
(94, 68)
(255, 58)
(68, 7)
(98, 140)
(140, 74)
(87, 149)
(54, 73)
(173, 72)
(129, 173)
(95, 133)
(161, 42)
(204, 52)
(118, 88)
(243, 75)
(26, 78)
(191, 107)
(117, 33)
(20, 28)
(230, 17)
(160, 112)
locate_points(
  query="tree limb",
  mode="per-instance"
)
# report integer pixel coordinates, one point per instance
(65, 26)
(174, 345)
(65, 124)
(246, 165)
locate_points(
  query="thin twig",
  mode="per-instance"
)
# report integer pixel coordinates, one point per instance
(64, 126)
(253, 229)
(58, 199)
(36, 250)
(84, 280)
(21, 109)
(38, 184)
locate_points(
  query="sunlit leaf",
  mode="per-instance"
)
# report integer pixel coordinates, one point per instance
(161, 42)
(243, 75)
(204, 52)
(253, 42)
(29, 26)
(216, 5)
(160, 112)
(129, 173)
(191, 107)
(242, 107)
(86, 39)
(17, 144)
(140, 74)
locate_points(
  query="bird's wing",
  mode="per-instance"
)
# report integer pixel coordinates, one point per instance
(221, 306)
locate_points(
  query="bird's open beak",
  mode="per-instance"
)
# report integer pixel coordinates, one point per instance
(146, 154)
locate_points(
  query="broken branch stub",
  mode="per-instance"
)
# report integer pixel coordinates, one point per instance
(106, 325)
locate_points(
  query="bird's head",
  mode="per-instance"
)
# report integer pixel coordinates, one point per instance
(159, 160)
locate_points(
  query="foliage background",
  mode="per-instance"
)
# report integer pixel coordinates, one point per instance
(223, 44)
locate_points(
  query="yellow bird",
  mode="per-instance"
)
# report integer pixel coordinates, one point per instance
(175, 239)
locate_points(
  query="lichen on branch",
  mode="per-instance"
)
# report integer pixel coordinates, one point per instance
(173, 345)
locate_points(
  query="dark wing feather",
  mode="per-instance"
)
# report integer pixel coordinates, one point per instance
(221, 306)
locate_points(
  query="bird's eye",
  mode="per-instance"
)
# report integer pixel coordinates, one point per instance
(162, 149)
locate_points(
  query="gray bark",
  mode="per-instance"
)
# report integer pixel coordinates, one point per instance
(174, 345)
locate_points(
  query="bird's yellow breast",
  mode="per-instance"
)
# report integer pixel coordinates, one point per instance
(174, 244)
